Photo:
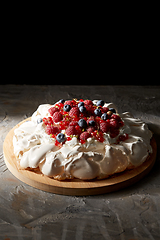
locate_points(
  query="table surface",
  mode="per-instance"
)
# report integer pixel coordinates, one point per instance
(28, 213)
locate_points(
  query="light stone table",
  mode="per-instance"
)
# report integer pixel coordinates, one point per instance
(28, 213)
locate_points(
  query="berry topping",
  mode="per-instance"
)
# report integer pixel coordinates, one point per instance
(60, 137)
(88, 102)
(104, 116)
(92, 123)
(74, 112)
(97, 112)
(82, 109)
(82, 123)
(82, 119)
(112, 110)
(123, 137)
(71, 130)
(57, 117)
(52, 110)
(51, 130)
(67, 108)
(84, 136)
(100, 103)
(39, 120)
(104, 127)
(80, 104)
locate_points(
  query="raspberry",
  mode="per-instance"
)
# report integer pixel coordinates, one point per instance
(114, 123)
(90, 109)
(104, 126)
(114, 133)
(74, 112)
(52, 110)
(73, 123)
(71, 131)
(84, 136)
(51, 130)
(105, 109)
(68, 103)
(57, 117)
(117, 117)
(88, 102)
(123, 137)
(90, 129)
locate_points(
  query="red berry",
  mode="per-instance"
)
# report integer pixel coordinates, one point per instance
(123, 137)
(71, 131)
(51, 130)
(88, 102)
(52, 110)
(57, 117)
(73, 123)
(90, 129)
(114, 123)
(84, 136)
(105, 109)
(69, 103)
(104, 126)
(48, 121)
(114, 133)
(74, 112)
(90, 109)
(117, 117)
(78, 130)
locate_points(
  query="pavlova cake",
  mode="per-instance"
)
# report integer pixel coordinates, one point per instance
(81, 139)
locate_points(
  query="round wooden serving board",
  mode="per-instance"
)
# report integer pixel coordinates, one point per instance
(75, 187)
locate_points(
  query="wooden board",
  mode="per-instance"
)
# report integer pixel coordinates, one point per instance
(75, 187)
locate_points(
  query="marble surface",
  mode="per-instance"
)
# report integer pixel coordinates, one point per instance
(28, 213)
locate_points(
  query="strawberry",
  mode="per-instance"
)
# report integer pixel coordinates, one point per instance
(52, 110)
(74, 112)
(104, 126)
(51, 129)
(71, 131)
(57, 117)
(84, 136)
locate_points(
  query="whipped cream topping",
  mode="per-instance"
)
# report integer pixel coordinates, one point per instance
(34, 148)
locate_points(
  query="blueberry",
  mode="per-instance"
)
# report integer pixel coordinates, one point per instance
(104, 116)
(112, 110)
(82, 123)
(82, 109)
(80, 104)
(39, 120)
(67, 108)
(100, 103)
(92, 123)
(61, 101)
(97, 112)
(60, 137)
